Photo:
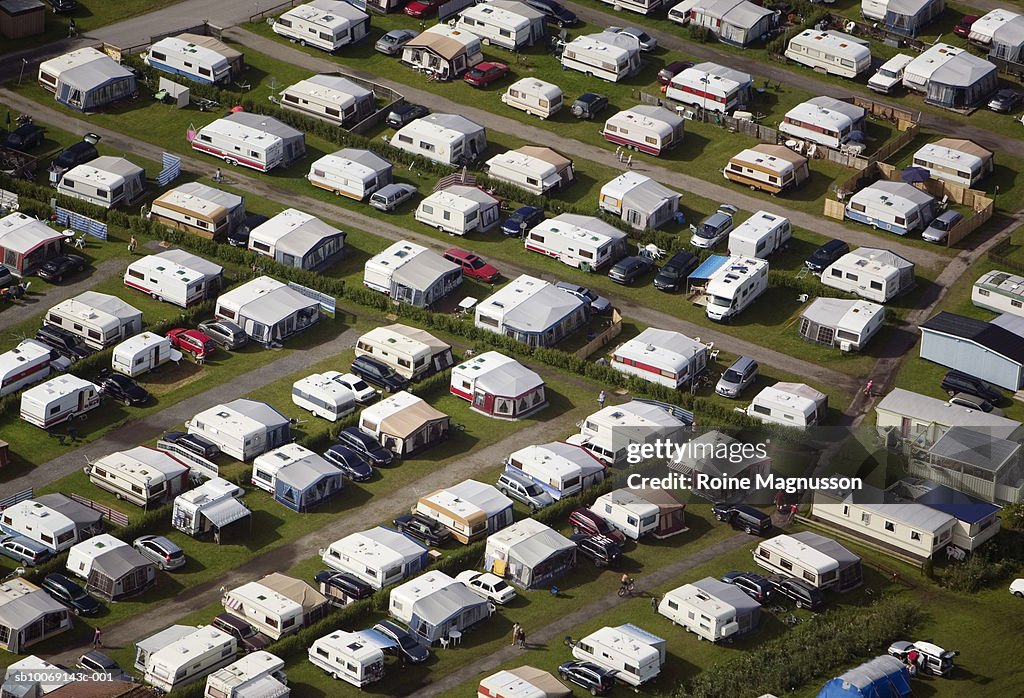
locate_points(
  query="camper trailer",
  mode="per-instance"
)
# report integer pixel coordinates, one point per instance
(639, 201)
(821, 562)
(239, 144)
(559, 468)
(896, 207)
(411, 273)
(791, 404)
(533, 96)
(258, 674)
(351, 172)
(294, 238)
(59, 400)
(105, 181)
(471, 510)
(610, 432)
(532, 311)
(826, 121)
(459, 210)
(324, 396)
(628, 512)
(268, 611)
(582, 242)
(634, 654)
(843, 323)
(86, 79)
(198, 209)
(608, 56)
(711, 87)
(142, 475)
(833, 52)
(101, 320)
(699, 613)
(510, 25)
(175, 276)
(380, 557)
(998, 291)
(142, 354)
(647, 128)
(446, 138)
(527, 172)
(190, 659)
(664, 357)
(498, 386)
(350, 657)
(112, 568)
(434, 605)
(411, 352)
(735, 286)
(29, 362)
(405, 424)
(324, 24)
(297, 477)
(242, 428)
(919, 71)
(770, 168)
(954, 160)
(212, 505)
(760, 236)
(443, 51)
(26, 243)
(874, 274)
(182, 55)
(40, 523)
(331, 98)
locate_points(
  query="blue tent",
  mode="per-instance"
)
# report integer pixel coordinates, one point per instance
(882, 677)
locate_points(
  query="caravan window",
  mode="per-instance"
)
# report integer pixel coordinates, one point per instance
(322, 652)
(263, 475)
(204, 71)
(332, 112)
(157, 55)
(429, 210)
(810, 577)
(632, 520)
(761, 409)
(648, 520)
(857, 207)
(46, 538)
(65, 537)
(630, 669)
(429, 147)
(837, 273)
(326, 37)
(786, 564)
(69, 183)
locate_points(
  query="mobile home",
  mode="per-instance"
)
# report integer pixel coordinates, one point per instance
(608, 56)
(297, 239)
(610, 432)
(533, 96)
(175, 276)
(105, 181)
(584, 242)
(817, 560)
(560, 469)
(101, 320)
(198, 58)
(208, 508)
(112, 568)
(984, 28)
(735, 286)
(143, 353)
(711, 87)
(198, 209)
(920, 70)
(510, 25)
(351, 172)
(955, 160)
(351, 657)
(532, 311)
(770, 168)
(871, 273)
(459, 210)
(639, 200)
(444, 51)
(529, 554)
(380, 557)
(86, 79)
(324, 24)
(268, 310)
(88, 521)
(831, 52)
(998, 291)
(142, 475)
(258, 674)
(324, 396)
(990, 351)
(434, 605)
(530, 173)
(760, 236)
(838, 322)
(826, 121)
(242, 428)
(411, 352)
(252, 140)
(332, 98)
(704, 614)
(628, 512)
(410, 273)
(58, 400)
(498, 386)
(905, 17)
(39, 522)
(735, 22)
(645, 127)
(896, 207)
(664, 357)
(471, 510)
(296, 477)
(636, 655)
(404, 424)
(446, 138)
(29, 615)
(26, 243)
(190, 659)
(791, 404)
(29, 362)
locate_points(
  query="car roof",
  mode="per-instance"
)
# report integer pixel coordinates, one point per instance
(460, 253)
(949, 215)
(742, 363)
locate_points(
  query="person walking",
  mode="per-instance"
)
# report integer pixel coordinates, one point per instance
(629, 162)
(97, 639)
(132, 244)
(216, 177)
(618, 153)
(654, 604)
(600, 399)
(515, 633)
(522, 639)
(868, 387)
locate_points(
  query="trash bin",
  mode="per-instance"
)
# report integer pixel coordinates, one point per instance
(680, 218)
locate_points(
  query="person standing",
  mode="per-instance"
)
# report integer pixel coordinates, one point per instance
(522, 639)
(600, 399)
(132, 244)
(97, 638)
(515, 633)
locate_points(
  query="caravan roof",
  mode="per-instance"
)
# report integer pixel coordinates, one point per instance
(235, 130)
(1000, 281)
(250, 666)
(22, 234)
(85, 68)
(55, 388)
(460, 198)
(331, 89)
(985, 26)
(791, 547)
(533, 86)
(514, 159)
(835, 43)
(664, 348)
(955, 153)
(408, 336)
(637, 414)
(470, 497)
(184, 265)
(775, 158)
(923, 67)
(265, 300)
(293, 232)
(361, 164)
(530, 540)
(401, 414)
(579, 229)
(268, 601)
(630, 640)
(827, 112)
(720, 78)
(842, 314)
(498, 374)
(628, 499)
(447, 42)
(331, 14)
(90, 305)
(642, 192)
(928, 409)
(529, 304)
(872, 259)
(197, 198)
(650, 117)
(559, 458)
(39, 514)
(144, 463)
(899, 198)
(105, 171)
(612, 43)
(202, 54)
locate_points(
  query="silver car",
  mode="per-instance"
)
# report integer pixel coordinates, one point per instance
(939, 228)
(737, 378)
(392, 42)
(391, 196)
(161, 551)
(647, 42)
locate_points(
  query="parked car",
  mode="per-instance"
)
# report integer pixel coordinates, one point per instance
(744, 517)
(473, 266)
(352, 587)
(588, 522)
(423, 8)
(601, 550)
(193, 342)
(1005, 101)
(931, 659)
(349, 462)
(423, 528)
(25, 138)
(630, 269)
(408, 647)
(120, 387)
(588, 105)
(523, 220)
(483, 74)
(364, 393)
(95, 662)
(737, 378)
(76, 154)
(404, 113)
(959, 382)
(963, 27)
(379, 373)
(713, 229)
(63, 6)
(225, 334)
(554, 13)
(671, 70)
(24, 550)
(674, 272)
(391, 196)
(598, 304)
(1017, 588)
(160, 550)
(826, 255)
(490, 586)
(760, 589)
(58, 267)
(392, 42)
(192, 442)
(366, 446)
(972, 402)
(68, 345)
(938, 230)
(70, 593)
(245, 635)
(646, 42)
(596, 679)
(802, 594)
(524, 490)
(7, 278)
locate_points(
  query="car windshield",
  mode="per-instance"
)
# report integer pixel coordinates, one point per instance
(476, 262)
(358, 385)
(534, 490)
(720, 301)
(707, 231)
(407, 642)
(941, 224)
(390, 39)
(732, 376)
(886, 73)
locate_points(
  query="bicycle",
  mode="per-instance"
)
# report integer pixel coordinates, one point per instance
(627, 587)
(569, 642)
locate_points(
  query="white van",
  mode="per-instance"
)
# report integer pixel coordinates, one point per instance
(890, 74)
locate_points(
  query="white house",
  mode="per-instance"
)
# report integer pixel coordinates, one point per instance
(446, 138)
(26, 243)
(628, 512)
(58, 400)
(242, 428)
(770, 168)
(297, 239)
(1000, 292)
(610, 432)
(661, 356)
(433, 605)
(252, 140)
(510, 25)
(537, 170)
(459, 210)
(142, 475)
(471, 510)
(836, 322)
(443, 50)
(529, 554)
(112, 568)
(639, 200)
(533, 96)
(584, 242)
(896, 207)
(821, 562)
(326, 24)
(711, 87)
(410, 273)
(532, 311)
(380, 557)
(199, 58)
(833, 52)
(498, 386)
(105, 181)
(335, 99)
(926, 419)
(268, 310)
(826, 121)
(175, 276)
(645, 127)
(635, 654)
(605, 55)
(86, 79)
(199, 209)
(29, 615)
(404, 424)
(410, 351)
(878, 275)
(351, 172)
(561, 469)
(791, 404)
(955, 160)
(101, 320)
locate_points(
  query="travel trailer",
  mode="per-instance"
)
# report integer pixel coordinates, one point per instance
(411, 352)
(760, 236)
(29, 362)
(639, 201)
(735, 286)
(533, 96)
(297, 239)
(405, 424)
(351, 172)
(919, 71)
(197, 58)
(770, 168)
(380, 556)
(984, 28)
(239, 144)
(610, 432)
(324, 24)
(324, 396)
(998, 291)
(351, 657)
(634, 654)
(626, 511)
(86, 79)
(410, 273)
(896, 207)
(711, 87)
(664, 357)
(644, 7)
(29, 615)
(190, 659)
(459, 210)
(871, 273)
(242, 428)
(529, 554)
(532, 311)
(198, 209)
(647, 128)
(821, 562)
(26, 243)
(142, 475)
(582, 242)
(443, 51)
(267, 610)
(559, 468)
(471, 510)
(735, 22)
(59, 400)
(826, 121)
(510, 25)
(105, 181)
(434, 605)
(267, 467)
(498, 386)
(699, 613)
(175, 276)
(527, 172)
(268, 310)
(112, 568)
(843, 323)
(208, 507)
(101, 320)
(335, 99)
(791, 404)
(258, 674)
(446, 138)
(143, 353)
(608, 56)
(955, 160)
(832, 52)
(40, 523)
(522, 682)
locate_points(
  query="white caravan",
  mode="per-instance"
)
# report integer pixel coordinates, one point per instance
(623, 510)
(351, 657)
(636, 655)
(510, 25)
(831, 52)
(258, 674)
(213, 503)
(190, 659)
(101, 320)
(533, 96)
(985, 26)
(459, 210)
(104, 181)
(143, 353)
(268, 611)
(711, 87)
(324, 396)
(700, 613)
(351, 172)
(175, 276)
(952, 164)
(560, 469)
(791, 404)
(920, 70)
(647, 128)
(324, 24)
(142, 475)
(735, 286)
(608, 56)
(29, 362)
(583, 242)
(525, 171)
(998, 291)
(380, 556)
(825, 120)
(59, 400)
(792, 557)
(611, 432)
(644, 7)
(664, 357)
(331, 98)
(240, 144)
(40, 523)
(179, 55)
(878, 275)
(446, 138)
(265, 467)
(411, 352)
(760, 236)
(770, 168)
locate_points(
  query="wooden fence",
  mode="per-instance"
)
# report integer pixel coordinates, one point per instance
(613, 331)
(998, 255)
(260, 14)
(15, 498)
(112, 515)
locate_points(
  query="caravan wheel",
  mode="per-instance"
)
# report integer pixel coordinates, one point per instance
(302, 42)
(156, 297)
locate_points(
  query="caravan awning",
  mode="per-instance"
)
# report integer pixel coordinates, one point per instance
(708, 268)
(226, 511)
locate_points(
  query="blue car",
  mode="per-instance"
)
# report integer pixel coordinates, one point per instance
(522, 221)
(350, 463)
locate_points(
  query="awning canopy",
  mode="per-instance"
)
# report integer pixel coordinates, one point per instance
(226, 511)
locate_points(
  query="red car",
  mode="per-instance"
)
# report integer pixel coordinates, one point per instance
(963, 27)
(422, 8)
(483, 74)
(588, 522)
(193, 342)
(472, 266)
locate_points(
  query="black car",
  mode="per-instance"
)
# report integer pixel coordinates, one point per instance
(379, 373)
(760, 589)
(744, 517)
(959, 382)
(422, 528)
(121, 388)
(411, 650)
(25, 137)
(826, 255)
(245, 635)
(588, 105)
(60, 266)
(596, 679)
(554, 13)
(68, 345)
(802, 594)
(602, 550)
(366, 446)
(350, 463)
(630, 269)
(70, 594)
(675, 271)
(61, 7)
(78, 154)
(7, 278)
(192, 442)
(352, 587)
(405, 113)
